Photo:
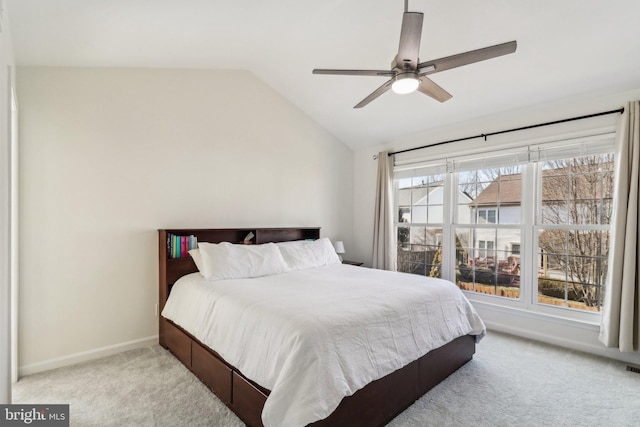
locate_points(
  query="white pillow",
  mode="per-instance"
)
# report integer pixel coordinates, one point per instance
(303, 254)
(197, 259)
(228, 261)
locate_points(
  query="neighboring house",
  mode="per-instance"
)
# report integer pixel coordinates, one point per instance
(423, 204)
(499, 203)
(575, 196)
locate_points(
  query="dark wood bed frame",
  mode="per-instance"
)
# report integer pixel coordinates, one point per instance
(374, 405)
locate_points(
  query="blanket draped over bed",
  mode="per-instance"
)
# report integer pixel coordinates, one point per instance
(315, 336)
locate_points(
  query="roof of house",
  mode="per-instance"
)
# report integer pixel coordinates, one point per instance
(507, 189)
(556, 185)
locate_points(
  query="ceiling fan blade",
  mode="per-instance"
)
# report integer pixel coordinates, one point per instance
(466, 58)
(376, 93)
(356, 72)
(429, 87)
(409, 48)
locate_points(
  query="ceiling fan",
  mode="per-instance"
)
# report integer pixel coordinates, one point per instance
(407, 74)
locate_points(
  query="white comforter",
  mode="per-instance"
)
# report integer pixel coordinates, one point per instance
(315, 336)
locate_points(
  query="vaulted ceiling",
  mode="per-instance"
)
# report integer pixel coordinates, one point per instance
(565, 49)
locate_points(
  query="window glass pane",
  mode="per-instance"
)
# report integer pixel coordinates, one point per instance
(417, 235)
(466, 188)
(435, 214)
(419, 214)
(465, 244)
(404, 197)
(588, 252)
(424, 180)
(403, 201)
(510, 196)
(419, 195)
(555, 193)
(403, 237)
(423, 252)
(508, 257)
(573, 268)
(485, 262)
(570, 294)
(420, 199)
(493, 196)
(577, 190)
(491, 216)
(404, 214)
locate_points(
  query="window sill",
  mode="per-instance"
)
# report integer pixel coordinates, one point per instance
(584, 323)
(540, 311)
(564, 332)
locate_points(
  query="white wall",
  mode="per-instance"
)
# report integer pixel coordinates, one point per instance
(111, 155)
(6, 82)
(572, 334)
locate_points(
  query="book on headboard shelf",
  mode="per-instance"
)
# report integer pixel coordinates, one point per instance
(179, 246)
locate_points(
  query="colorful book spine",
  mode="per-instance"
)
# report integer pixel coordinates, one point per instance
(176, 247)
(183, 246)
(179, 246)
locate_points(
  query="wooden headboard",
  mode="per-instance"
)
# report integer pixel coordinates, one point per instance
(171, 269)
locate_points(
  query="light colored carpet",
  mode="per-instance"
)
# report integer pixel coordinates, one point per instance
(510, 382)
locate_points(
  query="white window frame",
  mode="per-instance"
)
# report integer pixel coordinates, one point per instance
(528, 227)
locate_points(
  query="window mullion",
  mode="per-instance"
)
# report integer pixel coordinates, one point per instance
(529, 248)
(448, 238)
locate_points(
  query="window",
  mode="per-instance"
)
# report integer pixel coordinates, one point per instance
(486, 216)
(419, 245)
(573, 230)
(487, 261)
(482, 246)
(486, 249)
(527, 227)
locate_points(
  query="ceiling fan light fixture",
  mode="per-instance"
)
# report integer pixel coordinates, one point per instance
(405, 83)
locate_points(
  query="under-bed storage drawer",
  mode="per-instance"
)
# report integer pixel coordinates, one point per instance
(211, 371)
(178, 343)
(248, 400)
(448, 359)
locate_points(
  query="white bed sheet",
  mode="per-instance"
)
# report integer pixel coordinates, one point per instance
(315, 336)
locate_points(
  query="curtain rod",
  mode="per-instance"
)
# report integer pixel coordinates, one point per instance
(485, 135)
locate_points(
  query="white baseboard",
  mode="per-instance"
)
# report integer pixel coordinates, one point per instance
(84, 356)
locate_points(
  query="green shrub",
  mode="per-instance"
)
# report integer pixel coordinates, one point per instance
(556, 289)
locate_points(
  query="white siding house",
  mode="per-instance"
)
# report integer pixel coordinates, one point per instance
(500, 204)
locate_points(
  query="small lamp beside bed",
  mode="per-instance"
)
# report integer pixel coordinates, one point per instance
(339, 246)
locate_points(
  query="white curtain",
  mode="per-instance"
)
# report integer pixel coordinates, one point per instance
(620, 325)
(383, 237)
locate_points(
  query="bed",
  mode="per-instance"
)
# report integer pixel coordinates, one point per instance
(307, 346)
